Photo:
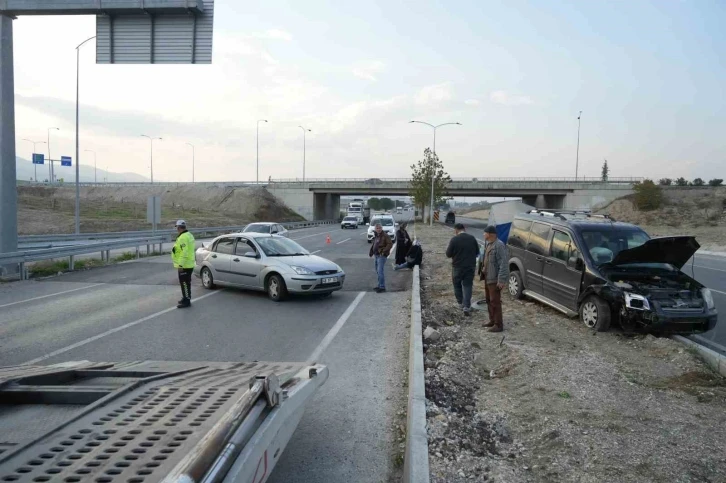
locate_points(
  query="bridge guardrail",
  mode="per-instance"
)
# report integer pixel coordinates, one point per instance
(26, 256)
(165, 233)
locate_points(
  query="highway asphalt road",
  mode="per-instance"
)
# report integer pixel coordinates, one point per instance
(710, 270)
(127, 312)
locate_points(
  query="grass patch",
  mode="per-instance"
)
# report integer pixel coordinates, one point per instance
(124, 257)
(47, 268)
(564, 395)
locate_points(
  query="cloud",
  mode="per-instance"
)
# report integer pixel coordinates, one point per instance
(472, 102)
(368, 69)
(434, 94)
(506, 99)
(273, 34)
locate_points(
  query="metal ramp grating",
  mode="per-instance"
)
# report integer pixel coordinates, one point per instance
(140, 436)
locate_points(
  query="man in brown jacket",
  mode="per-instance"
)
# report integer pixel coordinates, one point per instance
(380, 249)
(494, 273)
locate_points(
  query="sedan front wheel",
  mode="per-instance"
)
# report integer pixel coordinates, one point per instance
(276, 289)
(207, 278)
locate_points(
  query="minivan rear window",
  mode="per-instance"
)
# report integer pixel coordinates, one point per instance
(539, 238)
(519, 234)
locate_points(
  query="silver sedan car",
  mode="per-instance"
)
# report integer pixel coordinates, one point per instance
(270, 263)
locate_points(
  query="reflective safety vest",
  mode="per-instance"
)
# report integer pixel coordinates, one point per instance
(182, 255)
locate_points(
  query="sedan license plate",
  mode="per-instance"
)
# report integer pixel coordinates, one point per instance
(329, 280)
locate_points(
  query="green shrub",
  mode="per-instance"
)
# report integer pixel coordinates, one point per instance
(648, 195)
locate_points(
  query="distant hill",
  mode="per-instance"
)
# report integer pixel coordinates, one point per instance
(25, 172)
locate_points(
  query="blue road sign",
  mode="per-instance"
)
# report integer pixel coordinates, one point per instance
(38, 158)
(66, 161)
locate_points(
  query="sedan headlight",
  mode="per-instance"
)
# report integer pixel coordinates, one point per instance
(339, 269)
(708, 298)
(636, 302)
(301, 270)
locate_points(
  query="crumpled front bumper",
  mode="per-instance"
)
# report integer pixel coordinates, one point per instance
(674, 322)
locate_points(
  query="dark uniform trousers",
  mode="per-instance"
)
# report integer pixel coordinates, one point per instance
(185, 280)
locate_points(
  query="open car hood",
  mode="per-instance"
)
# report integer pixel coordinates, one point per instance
(676, 250)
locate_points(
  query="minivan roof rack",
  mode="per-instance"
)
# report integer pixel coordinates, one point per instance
(561, 213)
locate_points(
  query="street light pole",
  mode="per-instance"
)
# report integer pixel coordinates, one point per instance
(258, 148)
(35, 166)
(95, 177)
(433, 173)
(308, 130)
(151, 166)
(51, 171)
(190, 144)
(577, 157)
(78, 159)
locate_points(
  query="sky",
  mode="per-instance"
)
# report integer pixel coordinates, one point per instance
(647, 76)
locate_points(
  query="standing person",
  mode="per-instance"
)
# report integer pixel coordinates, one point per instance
(381, 248)
(403, 244)
(182, 255)
(494, 272)
(463, 250)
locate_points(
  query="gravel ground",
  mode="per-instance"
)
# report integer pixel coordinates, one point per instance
(549, 400)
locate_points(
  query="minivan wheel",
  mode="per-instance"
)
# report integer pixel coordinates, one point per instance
(595, 313)
(516, 288)
(276, 289)
(207, 279)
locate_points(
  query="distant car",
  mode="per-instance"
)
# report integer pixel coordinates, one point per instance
(266, 228)
(349, 222)
(388, 224)
(269, 263)
(450, 218)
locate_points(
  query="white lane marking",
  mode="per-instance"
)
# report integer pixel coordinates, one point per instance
(338, 243)
(314, 234)
(316, 251)
(335, 329)
(710, 268)
(109, 332)
(717, 291)
(364, 233)
(50, 295)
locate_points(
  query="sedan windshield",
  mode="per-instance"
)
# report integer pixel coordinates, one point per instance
(280, 247)
(382, 221)
(257, 229)
(604, 244)
(350, 218)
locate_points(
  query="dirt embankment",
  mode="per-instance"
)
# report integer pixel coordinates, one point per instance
(43, 209)
(550, 400)
(477, 215)
(686, 211)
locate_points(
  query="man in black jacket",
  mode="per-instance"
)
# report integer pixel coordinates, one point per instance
(463, 250)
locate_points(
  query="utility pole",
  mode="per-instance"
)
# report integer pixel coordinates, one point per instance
(50, 160)
(151, 166)
(258, 148)
(304, 130)
(577, 157)
(433, 166)
(78, 156)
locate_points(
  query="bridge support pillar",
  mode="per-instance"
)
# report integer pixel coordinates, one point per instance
(540, 202)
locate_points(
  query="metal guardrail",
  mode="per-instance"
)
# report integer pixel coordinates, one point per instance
(23, 257)
(167, 234)
(474, 179)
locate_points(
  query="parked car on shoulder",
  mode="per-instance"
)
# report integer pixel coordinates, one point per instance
(349, 222)
(607, 272)
(269, 263)
(266, 228)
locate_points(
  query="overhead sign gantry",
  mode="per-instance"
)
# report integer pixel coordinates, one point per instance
(128, 32)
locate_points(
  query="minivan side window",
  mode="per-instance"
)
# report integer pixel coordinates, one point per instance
(519, 234)
(560, 246)
(225, 245)
(539, 238)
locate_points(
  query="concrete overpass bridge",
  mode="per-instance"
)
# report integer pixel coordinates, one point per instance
(320, 198)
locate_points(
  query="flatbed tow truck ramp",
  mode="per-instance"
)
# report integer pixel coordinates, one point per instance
(146, 422)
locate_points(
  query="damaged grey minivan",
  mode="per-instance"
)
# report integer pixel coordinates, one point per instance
(606, 272)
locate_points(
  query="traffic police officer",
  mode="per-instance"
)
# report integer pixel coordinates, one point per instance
(182, 255)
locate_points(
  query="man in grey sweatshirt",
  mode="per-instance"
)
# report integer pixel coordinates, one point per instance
(494, 272)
